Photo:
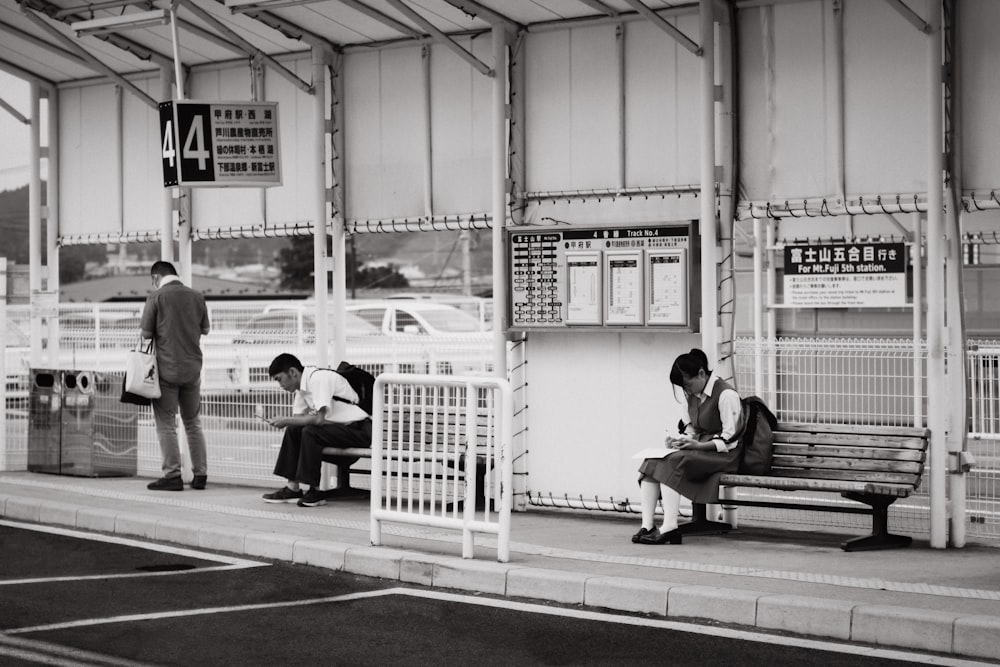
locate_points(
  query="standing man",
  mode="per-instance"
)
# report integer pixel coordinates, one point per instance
(176, 317)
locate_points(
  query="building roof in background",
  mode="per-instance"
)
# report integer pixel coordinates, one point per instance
(138, 287)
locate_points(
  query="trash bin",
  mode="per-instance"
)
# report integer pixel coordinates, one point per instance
(80, 427)
(44, 417)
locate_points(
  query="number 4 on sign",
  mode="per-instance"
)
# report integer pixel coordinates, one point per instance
(194, 143)
(168, 143)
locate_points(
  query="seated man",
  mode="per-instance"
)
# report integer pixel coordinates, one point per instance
(323, 415)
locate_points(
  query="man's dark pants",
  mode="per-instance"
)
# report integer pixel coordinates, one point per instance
(301, 456)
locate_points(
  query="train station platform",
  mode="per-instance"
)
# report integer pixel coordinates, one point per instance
(755, 577)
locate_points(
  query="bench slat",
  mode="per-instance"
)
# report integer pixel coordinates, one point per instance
(842, 440)
(826, 485)
(847, 475)
(840, 463)
(849, 452)
(856, 431)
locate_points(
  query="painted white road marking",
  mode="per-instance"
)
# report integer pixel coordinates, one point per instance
(527, 607)
(226, 562)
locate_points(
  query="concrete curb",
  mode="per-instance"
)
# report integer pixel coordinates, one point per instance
(885, 626)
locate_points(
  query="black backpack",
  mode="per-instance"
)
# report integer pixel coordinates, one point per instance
(757, 438)
(361, 381)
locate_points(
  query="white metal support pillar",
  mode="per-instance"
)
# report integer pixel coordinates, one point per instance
(936, 377)
(52, 211)
(499, 197)
(35, 219)
(709, 226)
(321, 262)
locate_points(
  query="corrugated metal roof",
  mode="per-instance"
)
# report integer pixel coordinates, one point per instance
(36, 40)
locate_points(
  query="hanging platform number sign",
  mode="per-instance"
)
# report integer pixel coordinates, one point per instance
(219, 144)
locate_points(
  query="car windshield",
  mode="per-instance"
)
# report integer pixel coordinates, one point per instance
(451, 321)
(286, 322)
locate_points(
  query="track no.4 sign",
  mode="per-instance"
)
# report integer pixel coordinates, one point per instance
(219, 144)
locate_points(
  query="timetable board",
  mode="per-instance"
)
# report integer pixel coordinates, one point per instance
(603, 277)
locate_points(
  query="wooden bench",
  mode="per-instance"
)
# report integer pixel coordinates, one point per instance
(873, 466)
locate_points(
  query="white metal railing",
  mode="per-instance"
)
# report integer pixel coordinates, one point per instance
(984, 390)
(435, 441)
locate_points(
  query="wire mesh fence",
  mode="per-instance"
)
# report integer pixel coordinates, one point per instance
(235, 381)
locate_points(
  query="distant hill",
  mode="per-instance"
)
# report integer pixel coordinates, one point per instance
(14, 224)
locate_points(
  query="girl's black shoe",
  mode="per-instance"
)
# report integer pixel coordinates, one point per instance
(656, 537)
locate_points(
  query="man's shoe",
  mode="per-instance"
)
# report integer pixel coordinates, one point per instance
(199, 482)
(166, 484)
(283, 495)
(313, 498)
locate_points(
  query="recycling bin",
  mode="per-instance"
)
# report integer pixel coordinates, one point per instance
(44, 417)
(82, 428)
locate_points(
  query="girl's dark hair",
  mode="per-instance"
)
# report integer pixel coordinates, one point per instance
(688, 365)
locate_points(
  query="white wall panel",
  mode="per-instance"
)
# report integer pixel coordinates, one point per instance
(803, 113)
(293, 201)
(548, 140)
(572, 109)
(594, 400)
(787, 117)
(886, 100)
(142, 175)
(89, 162)
(384, 134)
(979, 57)
(461, 127)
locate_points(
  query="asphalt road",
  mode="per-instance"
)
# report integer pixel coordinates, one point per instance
(68, 599)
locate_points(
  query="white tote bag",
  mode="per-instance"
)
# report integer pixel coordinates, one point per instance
(141, 374)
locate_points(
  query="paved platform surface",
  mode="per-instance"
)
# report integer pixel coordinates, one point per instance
(946, 601)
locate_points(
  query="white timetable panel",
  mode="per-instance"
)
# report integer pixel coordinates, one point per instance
(583, 284)
(667, 293)
(623, 295)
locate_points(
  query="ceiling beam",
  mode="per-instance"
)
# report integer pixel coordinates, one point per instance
(41, 43)
(440, 37)
(491, 16)
(599, 6)
(384, 19)
(247, 47)
(665, 26)
(286, 28)
(92, 61)
(110, 4)
(910, 15)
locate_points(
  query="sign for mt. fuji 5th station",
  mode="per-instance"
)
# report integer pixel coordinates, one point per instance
(845, 275)
(219, 144)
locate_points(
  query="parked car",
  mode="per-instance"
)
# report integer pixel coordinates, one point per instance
(416, 317)
(479, 308)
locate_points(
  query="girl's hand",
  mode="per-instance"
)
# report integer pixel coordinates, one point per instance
(681, 442)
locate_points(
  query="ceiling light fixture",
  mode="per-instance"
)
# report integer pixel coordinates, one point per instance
(128, 21)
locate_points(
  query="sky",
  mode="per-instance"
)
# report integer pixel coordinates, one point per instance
(14, 135)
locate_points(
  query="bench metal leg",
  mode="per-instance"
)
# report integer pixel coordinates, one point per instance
(700, 524)
(880, 538)
(344, 488)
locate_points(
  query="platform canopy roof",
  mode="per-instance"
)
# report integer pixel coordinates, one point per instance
(58, 41)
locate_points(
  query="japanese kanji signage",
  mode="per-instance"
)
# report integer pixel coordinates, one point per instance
(219, 144)
(846, 275)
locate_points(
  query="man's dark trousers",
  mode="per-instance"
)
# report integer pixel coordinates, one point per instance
(301, 456)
